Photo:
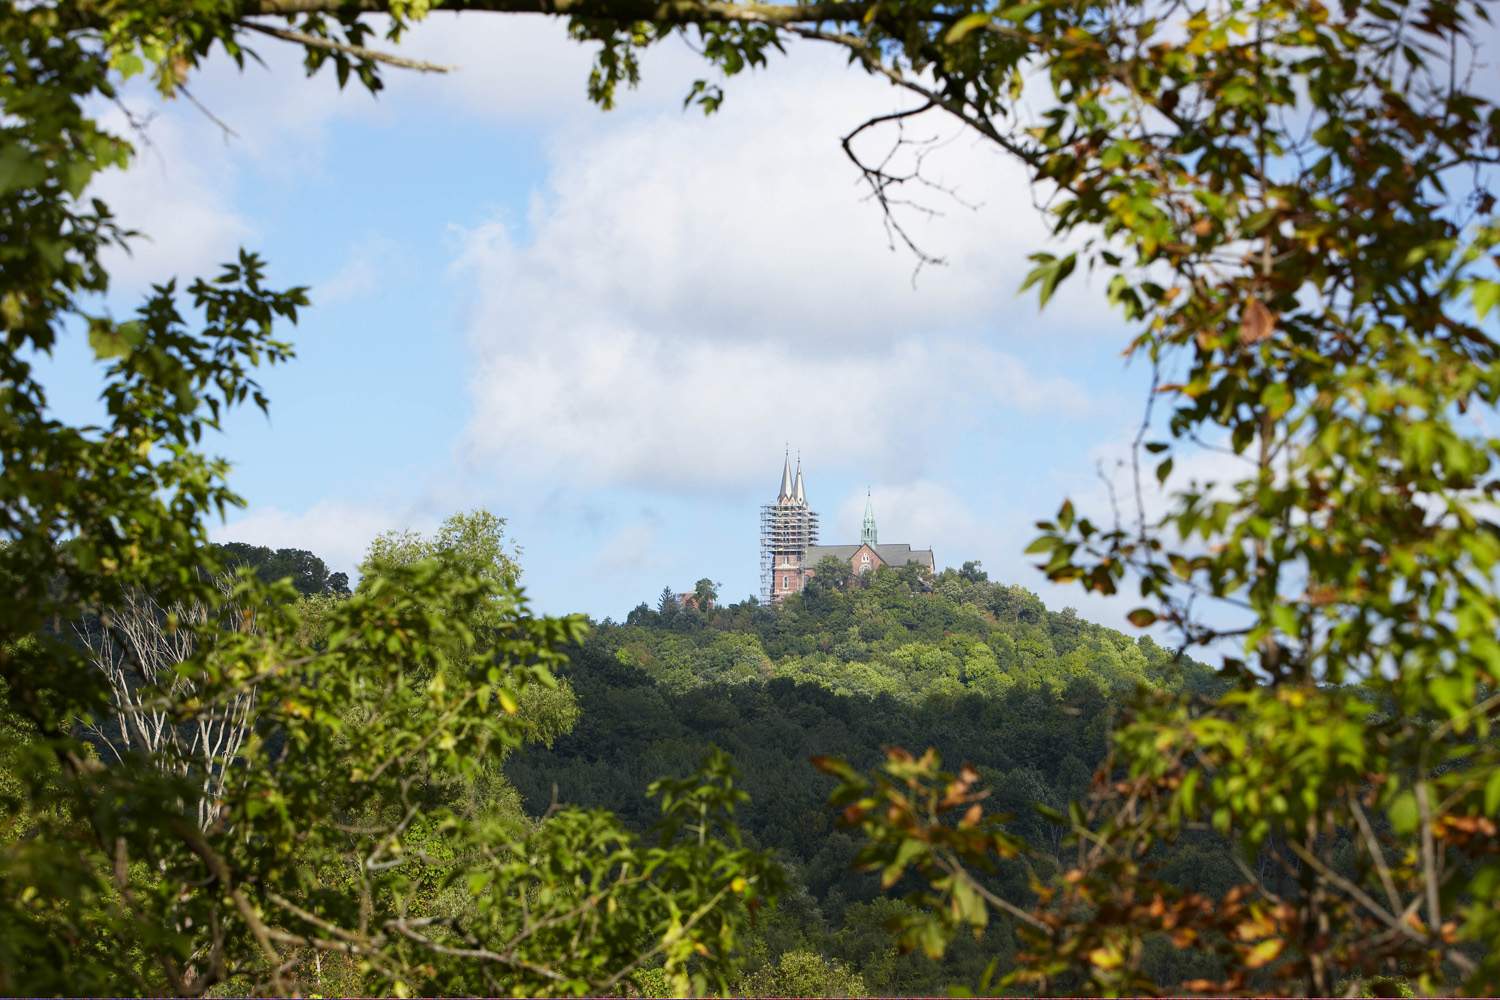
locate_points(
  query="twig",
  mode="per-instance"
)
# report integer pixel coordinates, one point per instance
(1376, 851)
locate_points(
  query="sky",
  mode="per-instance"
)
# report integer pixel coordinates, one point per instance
(608, 327)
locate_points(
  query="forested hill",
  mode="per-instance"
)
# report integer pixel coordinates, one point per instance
(897, 634)
(982, 671)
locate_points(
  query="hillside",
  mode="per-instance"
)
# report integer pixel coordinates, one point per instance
(982, 671)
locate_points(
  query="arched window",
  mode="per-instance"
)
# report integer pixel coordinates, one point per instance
(864, 562)
(786, 583)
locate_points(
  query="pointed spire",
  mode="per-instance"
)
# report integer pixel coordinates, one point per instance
(798, 494)
(868, 534)
(786, 477)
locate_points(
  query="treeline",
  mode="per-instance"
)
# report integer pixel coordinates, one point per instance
(981, 671)
(307, 573)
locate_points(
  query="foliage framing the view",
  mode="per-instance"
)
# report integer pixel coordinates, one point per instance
(321, 793)
(1286, 200)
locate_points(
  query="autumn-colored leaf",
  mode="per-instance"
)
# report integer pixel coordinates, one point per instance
(1264, 953)
(1257, 323)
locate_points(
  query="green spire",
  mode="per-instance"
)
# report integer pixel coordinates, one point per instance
(868, 535)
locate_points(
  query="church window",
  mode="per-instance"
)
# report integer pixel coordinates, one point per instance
(786, 583)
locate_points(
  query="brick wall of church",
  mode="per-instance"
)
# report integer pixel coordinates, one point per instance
(786, 576)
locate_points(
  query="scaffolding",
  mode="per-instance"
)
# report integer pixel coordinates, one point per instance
(786, 529)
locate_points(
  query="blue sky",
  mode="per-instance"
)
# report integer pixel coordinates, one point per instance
(606, 327)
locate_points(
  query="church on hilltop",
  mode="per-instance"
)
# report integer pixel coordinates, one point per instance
(789, 549)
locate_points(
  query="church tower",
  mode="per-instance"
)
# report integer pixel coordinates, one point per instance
(787, 528)
(867, 534)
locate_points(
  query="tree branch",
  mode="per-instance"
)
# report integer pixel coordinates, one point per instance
(358, 51)
(625, 11)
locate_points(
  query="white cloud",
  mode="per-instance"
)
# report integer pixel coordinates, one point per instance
(607, 407)
(754, 223)
(178, 194)
(337, 532)
(509, 68)
(687, 290)
(920, 513)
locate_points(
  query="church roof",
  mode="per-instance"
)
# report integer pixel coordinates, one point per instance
(892, 554)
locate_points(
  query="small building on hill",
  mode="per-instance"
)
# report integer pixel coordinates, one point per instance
(789, 549)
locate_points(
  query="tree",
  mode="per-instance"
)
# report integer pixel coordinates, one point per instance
(307, 573)
(331, 834)
(706, 592)
(972, 573)
(472, 543)
(830, 574)
(1334, 351)
(802, 974)
(1287, 201)
(138, 646)
(666, 603)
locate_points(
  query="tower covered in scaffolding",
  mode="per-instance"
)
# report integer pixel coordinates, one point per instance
(787, 528)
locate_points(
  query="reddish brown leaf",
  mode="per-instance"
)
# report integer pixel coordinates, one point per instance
(1257, 323)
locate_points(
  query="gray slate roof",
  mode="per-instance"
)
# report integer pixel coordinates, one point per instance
(893, 554)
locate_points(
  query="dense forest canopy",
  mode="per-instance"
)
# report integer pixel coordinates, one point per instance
(212, 782)
(981, 671)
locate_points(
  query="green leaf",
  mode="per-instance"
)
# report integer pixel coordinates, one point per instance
(19, 168)
(115, 340)
(1492, 794)
(1050, 271)
(1486, 294)
(1403, 813)
(1277, 399)
(1141, 617)
(1285, 619)
(1187, 794)
(971, 908)
(1021, 12)
(908, 852)
(964, 25)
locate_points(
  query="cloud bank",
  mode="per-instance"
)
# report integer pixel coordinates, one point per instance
(684, 292)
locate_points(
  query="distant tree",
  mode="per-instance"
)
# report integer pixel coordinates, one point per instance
(831, 573)
(803, 973)
(472, 543)
(641, 614)
(914, 575)
(972, 573)
(666, 603)
(706, 592)
(308, 574)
